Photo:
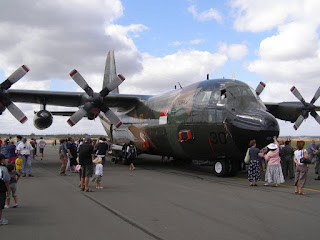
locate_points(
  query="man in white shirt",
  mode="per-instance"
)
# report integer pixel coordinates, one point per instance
(26, 150)
(41, 144)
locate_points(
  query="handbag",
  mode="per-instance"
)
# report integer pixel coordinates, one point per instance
(247, 157)
(304, 160)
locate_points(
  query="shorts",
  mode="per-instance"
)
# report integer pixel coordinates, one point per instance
(41, 150)
(13, 189)
(2, 199)
(86, 170)
(97, 178)
(73, 162)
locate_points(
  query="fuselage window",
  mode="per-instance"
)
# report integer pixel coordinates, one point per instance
(215, 116)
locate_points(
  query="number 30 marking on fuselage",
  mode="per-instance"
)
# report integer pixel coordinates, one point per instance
(217, 138)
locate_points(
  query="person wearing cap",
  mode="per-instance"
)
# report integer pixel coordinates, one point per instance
(274, 171)
(26, 150)
(4, 187)
(301, 168)
(86, 155)
(286, 154)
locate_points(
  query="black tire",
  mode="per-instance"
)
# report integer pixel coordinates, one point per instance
(221, 168)
(235, 167)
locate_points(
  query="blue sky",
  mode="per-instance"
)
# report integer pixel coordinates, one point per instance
(157, 44)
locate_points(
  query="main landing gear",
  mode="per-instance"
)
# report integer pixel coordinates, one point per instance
(225, 167)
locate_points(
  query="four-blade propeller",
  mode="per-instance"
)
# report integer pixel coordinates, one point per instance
(5, 102)
(260, 88)
(95, 102)
(308, 107)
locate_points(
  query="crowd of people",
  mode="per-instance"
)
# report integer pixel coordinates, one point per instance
(79, 156)
(76, 156)
(15, 162)
(280, 161)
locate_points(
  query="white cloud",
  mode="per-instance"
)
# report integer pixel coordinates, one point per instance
(294, 41)
(260, 15)
(234, 51)
(210, 14)
(52, 38)
(161, 74)
(191, 42)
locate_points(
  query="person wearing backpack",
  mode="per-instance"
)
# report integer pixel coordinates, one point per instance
(131, 154)
(4, 187)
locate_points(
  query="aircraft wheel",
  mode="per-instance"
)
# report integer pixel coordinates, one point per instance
(221, 168)
(235, 167)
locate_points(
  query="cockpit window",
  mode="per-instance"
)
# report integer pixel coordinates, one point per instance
(223, 94)
(239, 91)
(204, 96)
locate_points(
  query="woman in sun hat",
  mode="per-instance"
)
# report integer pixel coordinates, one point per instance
(274, 171)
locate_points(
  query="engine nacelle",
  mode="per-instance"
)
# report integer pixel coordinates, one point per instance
(42, 119)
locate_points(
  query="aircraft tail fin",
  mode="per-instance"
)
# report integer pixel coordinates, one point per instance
(110, 71)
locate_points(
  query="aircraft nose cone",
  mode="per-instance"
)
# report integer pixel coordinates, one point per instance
(257, 124)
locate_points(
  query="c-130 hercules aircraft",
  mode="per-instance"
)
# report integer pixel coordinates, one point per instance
(210, 120)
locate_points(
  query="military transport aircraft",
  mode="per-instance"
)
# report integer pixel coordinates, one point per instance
(210, 120)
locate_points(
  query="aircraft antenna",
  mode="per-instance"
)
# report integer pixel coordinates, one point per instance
(180, 85)
(207, 76)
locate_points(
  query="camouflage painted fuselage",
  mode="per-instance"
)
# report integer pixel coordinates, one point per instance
(219, 128)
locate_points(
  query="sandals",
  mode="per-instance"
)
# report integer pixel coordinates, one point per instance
(301, 193)
(88, 190)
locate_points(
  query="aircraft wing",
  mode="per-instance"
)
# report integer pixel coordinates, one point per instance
(287, 111)
(294, 112)
(73, 99)
(55, 98)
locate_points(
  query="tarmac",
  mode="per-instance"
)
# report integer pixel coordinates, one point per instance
(159, 200)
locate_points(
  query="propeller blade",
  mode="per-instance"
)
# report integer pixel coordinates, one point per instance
(16, 112)
(14, 77)
(260, 88)
(112, 85)
(316, 96)
(316, 116)
(113, 118)
(76, 76)
(77, 116)
(296, 92)
(298, 122)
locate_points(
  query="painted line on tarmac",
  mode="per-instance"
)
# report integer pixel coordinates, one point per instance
(127, 220)
(282, 185)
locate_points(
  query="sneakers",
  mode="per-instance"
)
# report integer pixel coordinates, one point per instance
(3, 221)
(24, 175)
(15, 205)
(6, 206)
(30, 175)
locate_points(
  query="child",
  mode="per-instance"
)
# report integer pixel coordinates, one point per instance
(14, 177)
(19, 163)
(99, 172)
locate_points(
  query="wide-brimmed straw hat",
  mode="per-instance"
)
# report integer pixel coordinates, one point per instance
(97, 160)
